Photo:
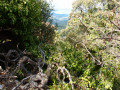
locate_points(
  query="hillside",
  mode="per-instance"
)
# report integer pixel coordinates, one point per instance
(60, 20)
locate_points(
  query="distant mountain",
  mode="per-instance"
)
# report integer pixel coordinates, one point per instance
(60, 15)
(60, 20)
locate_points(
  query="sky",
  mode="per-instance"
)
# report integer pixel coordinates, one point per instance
(62, 6)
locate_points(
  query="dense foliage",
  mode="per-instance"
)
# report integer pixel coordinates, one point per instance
(93, 29)
(88, 47)
(25, 18)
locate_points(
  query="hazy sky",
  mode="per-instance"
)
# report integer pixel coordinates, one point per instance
(62, 6)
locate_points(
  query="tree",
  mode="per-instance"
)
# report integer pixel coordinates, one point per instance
(93, 28)
(24, 17)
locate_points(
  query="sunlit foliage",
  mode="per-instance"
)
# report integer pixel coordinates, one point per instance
(93, 28)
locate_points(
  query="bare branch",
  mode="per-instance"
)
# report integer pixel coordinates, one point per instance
(62, 69)
(15, 88)
(115, 25)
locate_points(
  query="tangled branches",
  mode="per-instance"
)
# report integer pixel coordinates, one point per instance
(34, 78)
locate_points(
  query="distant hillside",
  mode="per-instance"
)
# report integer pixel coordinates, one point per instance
(61, 20)
(60, 15)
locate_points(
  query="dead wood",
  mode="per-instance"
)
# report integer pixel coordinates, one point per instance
(34, 79)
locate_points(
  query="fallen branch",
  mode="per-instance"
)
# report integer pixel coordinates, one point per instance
(36, 79)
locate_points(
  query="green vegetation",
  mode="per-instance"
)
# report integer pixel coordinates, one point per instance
(93, 30)
(26, 19)
(88, 47)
